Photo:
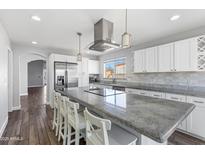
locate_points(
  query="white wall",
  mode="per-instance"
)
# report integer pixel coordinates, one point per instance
(4, 46)
(22, 55)
(35, 73)
(23, 68)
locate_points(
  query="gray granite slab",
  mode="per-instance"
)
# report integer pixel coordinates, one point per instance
(175, 89)
(154, 118)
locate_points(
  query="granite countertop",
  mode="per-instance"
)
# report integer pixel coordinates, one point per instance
(175, 89)
(152, 117)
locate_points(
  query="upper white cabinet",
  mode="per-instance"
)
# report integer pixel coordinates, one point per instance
(93, 67)
(139, 61)
(151, 60)
(146, 60)
(165, 57)
(184, 55)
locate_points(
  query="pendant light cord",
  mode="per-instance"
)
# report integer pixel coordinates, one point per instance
(126, 21)
(79, 34)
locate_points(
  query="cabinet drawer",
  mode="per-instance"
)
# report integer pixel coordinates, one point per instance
(175, 97)
(137, 91)
(156, 94)
(196, 100)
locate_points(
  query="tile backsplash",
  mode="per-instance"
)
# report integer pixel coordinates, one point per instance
(195, 79)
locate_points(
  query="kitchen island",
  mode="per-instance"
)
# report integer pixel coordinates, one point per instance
(152, 120)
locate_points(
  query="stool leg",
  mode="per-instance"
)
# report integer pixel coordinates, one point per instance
(54, 118)
(77, 133)
(60, 128)
(58, 122)
(69, 134)
(65, 131)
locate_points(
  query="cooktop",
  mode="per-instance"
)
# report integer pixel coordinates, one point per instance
(104, 91)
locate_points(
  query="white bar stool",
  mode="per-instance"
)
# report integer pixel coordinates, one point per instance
(76, 121)
(56, 113)
(63, 119)
(99, 132)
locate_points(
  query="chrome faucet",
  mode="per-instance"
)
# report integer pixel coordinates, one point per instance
(114, 80)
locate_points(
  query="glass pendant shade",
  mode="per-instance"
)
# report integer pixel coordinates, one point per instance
(79, 57)
(126, 40)
(126, 37)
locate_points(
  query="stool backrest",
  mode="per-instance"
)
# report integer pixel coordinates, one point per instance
(56, 99)
(72, 113)
(63, 105)
(96, 129)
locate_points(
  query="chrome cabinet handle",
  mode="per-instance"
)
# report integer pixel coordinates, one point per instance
(156, 95)
(198, 102)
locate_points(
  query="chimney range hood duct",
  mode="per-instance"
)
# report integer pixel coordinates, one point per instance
(103, 33)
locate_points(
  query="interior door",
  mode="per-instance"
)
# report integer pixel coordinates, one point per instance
(182, 55)
(151, 60)
(165, 55)
(139, 61)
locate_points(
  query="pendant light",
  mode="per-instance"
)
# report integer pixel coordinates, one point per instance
(126, 37)
(79, 56)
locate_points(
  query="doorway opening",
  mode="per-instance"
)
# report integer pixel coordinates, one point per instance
(37, 76)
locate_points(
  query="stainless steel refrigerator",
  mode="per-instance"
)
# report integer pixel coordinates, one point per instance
(65, 75)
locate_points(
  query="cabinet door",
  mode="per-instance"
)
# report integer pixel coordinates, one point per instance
(139, 61)
(182, 57)
(195, 121)
(165, 56)
(151, 60)
(93, 67)
(83, 73)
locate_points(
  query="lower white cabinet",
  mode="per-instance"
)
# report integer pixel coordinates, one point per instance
(196, 120)
(175, 97)
(179, 98)
(157, 94)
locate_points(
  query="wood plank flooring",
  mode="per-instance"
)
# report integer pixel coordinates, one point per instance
(32, 125)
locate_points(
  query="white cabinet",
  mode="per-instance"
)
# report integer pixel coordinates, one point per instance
(195, 121)
(146, 60)
(151, 60)
(175, 97)
(165, 57)
(137, 91)
(93, 67)
(182, 55)
(139, 61)
(83, 73)
(185, 55)
(179, 98)
(157, 94)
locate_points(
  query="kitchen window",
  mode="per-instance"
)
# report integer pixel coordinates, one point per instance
(115, 68)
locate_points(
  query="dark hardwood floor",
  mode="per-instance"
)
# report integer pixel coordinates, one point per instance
(33, 124)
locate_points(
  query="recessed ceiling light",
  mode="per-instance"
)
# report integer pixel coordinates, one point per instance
(34, 42)
(36, 18)
(175, 17)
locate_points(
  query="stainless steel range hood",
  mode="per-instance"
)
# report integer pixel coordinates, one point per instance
(103, 33)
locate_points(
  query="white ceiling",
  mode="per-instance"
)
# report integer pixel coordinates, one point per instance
(57, 28)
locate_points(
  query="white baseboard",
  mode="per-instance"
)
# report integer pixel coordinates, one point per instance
(3, 126)
(16, 108)
(24, 94)
(36, 86)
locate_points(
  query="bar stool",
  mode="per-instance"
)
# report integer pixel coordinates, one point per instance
(56, 114)
(76, 121)
(63, 119)
(99, 132)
